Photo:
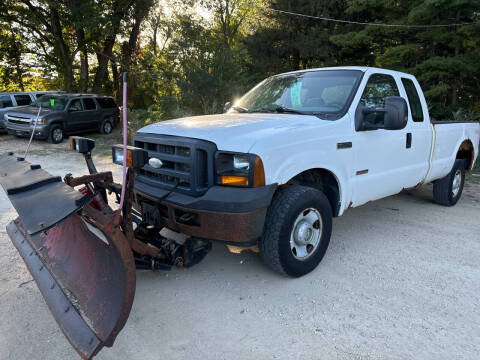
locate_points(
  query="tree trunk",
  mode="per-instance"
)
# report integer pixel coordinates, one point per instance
(120, 9)
(116, 79)
(62, 49)
(83, 59)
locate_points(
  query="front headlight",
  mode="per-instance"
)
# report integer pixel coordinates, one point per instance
(238, 169)
(41, 121)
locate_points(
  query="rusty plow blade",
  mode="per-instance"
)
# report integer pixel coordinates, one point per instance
(81, 263)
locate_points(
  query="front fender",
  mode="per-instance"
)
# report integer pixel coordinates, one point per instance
(298, 163)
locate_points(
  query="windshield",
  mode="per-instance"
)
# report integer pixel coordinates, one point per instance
(324, 92)
(51, 102)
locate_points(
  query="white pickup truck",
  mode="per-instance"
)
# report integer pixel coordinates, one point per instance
(295, 151)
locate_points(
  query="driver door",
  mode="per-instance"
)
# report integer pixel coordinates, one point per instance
(379, 160)
(75, 116)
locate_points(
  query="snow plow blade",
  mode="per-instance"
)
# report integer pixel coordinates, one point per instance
(78, 256)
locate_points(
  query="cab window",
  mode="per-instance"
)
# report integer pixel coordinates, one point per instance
(89, 104)
(413, 100)
(23, 100)
(379, 87)
(75, 105)
(5, 101)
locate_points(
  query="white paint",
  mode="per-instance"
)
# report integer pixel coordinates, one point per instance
(290, 144)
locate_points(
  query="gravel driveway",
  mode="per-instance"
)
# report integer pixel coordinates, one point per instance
(401, 280)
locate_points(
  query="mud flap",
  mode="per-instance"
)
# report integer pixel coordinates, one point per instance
(84, 270)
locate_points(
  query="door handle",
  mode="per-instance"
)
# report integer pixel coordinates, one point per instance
(409, 140)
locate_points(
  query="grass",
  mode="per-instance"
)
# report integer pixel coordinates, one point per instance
(474, 175)
(103, 143)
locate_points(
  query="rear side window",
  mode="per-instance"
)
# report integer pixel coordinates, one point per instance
(89, 104)
(413, 100)
(23, 100)
(106, 103)
(5, 101)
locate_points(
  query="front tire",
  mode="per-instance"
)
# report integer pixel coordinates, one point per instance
(56, 134)
(448, 190)
(297, 231)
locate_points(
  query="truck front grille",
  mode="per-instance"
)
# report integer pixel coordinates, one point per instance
(187, 164)
(18, 119)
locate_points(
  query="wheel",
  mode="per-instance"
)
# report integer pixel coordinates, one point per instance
(56, 134)
(106, 127)
(297, 231)
(448, 190)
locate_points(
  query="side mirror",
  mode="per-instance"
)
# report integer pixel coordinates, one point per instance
(227, 106)
(73, 109)
(394, 114)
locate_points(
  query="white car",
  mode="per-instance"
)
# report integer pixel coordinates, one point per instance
(295, 151)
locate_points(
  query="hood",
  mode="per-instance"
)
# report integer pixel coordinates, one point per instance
(28, 112)
(233, 131)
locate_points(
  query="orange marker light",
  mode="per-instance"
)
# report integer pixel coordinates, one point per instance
(129, 158)
(234, 180)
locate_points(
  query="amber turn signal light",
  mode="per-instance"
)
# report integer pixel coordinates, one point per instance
(234, 180)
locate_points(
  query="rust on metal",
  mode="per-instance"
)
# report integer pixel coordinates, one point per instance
(105, 177)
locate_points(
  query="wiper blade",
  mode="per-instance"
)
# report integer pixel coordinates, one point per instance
(240, 109)
(281, 109)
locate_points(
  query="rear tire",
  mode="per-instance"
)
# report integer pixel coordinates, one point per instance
(448, 190)
(106, 127)
(56, 134)
(297, 231)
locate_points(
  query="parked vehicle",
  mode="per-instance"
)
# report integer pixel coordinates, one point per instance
(64, 114)
(297, 150)
(10, 101)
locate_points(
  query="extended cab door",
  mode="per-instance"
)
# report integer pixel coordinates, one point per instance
(419, 133)
(382, 166)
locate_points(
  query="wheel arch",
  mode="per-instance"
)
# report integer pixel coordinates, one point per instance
(466, 151)
(323, 180)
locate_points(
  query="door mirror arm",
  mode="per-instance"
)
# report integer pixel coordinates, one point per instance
(227, 106)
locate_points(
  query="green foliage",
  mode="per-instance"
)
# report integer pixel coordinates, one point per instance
(188, 57)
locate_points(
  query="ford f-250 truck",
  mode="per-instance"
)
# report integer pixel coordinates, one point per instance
(295, 151)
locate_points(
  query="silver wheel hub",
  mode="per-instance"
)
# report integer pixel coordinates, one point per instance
(306, 234)
(457, 182)
(57, 134)
(107, 128)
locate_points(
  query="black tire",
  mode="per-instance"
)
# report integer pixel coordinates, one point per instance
(106, 127)
(56, 134)
(444, 190)
(287, 206)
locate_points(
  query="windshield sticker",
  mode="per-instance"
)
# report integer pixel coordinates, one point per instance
(52, 102)
(295, 94)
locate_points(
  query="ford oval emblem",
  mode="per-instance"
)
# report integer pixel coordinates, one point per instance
(155, 163)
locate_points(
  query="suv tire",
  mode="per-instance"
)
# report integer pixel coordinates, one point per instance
(448, 190)
(106, 127)
(56, 134)
(297, 231)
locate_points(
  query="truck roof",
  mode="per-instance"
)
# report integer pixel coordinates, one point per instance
(358, 68)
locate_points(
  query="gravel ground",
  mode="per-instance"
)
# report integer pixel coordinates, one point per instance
(401, 280)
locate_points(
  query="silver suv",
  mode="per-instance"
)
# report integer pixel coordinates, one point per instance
(9, 101)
